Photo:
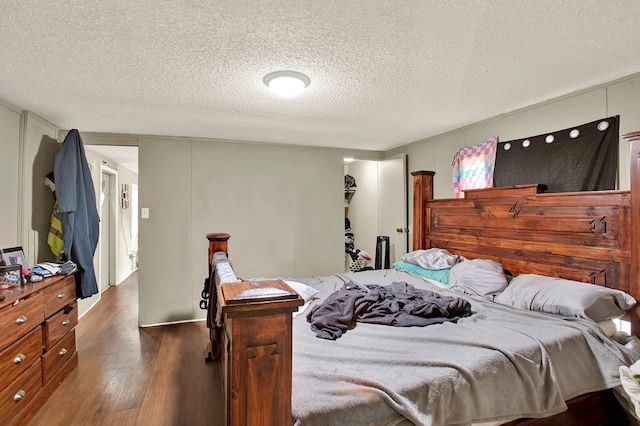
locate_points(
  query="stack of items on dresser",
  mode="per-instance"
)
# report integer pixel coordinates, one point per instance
(49, 269)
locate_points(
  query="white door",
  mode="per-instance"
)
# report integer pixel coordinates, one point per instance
(392, 178)
(105, 231)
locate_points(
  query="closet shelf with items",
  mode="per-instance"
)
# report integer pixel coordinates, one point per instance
(349, 191)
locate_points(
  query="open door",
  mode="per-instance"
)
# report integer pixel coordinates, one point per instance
(108, 209)
(393, 218)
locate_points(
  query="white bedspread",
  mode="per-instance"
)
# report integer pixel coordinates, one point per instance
(496, 365)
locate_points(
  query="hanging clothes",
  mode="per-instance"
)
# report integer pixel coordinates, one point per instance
(473, 167)
(55, 239)
(78, 212)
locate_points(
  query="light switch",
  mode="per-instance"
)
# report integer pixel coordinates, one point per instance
(144, 213)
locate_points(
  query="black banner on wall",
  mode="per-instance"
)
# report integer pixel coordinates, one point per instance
(581, 158)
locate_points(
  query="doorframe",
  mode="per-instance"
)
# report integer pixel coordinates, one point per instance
(115, 223)
(406, 229)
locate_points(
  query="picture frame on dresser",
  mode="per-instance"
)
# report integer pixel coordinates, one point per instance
(15, 255)
(11, 276)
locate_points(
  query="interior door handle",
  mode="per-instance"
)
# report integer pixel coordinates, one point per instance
(402, 230)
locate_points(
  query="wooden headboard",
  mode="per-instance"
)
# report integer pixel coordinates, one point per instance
(582, 236)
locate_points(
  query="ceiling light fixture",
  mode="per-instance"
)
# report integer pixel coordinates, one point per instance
(286, 83)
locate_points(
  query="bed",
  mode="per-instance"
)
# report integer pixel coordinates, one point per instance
(499, 365)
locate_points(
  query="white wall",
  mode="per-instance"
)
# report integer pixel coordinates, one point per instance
(27, 147)
(617, 98)
(126, 264)
(282, 206)
(10, 154)
(40, 145)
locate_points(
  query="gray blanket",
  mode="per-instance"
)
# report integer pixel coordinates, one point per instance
(496, 365)
(398, 304)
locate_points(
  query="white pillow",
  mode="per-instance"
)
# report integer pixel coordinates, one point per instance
(433, 258)
(478, 277)
(306, 292)
(565, 297)
(608, 327)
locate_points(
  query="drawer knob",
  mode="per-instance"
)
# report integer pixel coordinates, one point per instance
(19, 395)
(61, 295)
(63, 352)
(21, 319)
(19, 358)
(66, 321)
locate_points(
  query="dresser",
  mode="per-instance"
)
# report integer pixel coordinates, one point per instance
(37, 345)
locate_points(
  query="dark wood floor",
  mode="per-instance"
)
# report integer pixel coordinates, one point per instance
(128, 375)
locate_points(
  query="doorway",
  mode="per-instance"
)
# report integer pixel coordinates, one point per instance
(378, 205)
(108, 210)
(393, 220)
(113, 170)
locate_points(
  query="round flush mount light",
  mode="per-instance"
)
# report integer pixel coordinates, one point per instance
(286, 83)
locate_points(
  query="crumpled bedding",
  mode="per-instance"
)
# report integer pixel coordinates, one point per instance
(496, 365)
(398, 304)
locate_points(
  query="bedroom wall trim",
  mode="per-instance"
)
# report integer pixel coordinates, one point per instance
(98, 138)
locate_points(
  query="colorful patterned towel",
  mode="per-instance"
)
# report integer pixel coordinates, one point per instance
(473, 167)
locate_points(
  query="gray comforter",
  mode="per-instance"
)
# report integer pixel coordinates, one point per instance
(498, 364)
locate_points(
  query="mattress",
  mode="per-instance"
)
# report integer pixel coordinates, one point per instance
(498, 364)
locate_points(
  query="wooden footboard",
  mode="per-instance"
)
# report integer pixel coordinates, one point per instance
(254, 345)
(256, 357)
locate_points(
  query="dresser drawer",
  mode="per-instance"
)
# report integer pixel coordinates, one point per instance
(18, 357)
(59, 294)
(60, 353)
(19, 392)
(59, 324)
(20, 318)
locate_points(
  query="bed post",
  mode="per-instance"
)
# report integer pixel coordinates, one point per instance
(217, 242)
(422, 191)
(634, 139)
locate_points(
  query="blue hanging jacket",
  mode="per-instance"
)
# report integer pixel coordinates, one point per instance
(78, 212)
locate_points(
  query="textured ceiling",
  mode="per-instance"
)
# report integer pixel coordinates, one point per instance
(383, 73)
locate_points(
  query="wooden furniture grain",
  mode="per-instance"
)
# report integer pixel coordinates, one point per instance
(37, 346)
(256, 362)
(254, 345)
(580, 236)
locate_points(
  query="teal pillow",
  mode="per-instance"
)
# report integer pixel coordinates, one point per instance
(440, 275)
